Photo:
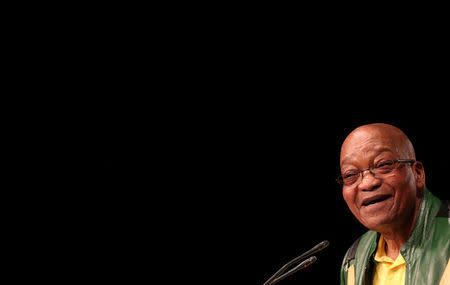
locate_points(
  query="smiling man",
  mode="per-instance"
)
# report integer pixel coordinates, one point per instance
(408, 241)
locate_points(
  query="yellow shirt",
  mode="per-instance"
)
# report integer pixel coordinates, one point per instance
(388, 271)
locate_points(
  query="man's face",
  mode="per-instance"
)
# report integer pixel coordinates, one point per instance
(384, 201)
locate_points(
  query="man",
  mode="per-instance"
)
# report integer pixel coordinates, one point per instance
(408, 241)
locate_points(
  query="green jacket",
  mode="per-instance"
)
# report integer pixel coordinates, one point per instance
(426, 251)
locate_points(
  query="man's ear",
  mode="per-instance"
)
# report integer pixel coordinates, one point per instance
(419, 174)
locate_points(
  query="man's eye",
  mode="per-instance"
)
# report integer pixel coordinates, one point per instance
(350, 174)
(386, 163)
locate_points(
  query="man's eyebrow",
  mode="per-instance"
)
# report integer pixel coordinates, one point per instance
(345, 161)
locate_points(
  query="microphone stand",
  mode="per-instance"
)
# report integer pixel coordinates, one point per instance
(280, 275)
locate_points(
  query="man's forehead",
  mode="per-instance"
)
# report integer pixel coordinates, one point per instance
(373, 139)
(367, 139)
(369, 152)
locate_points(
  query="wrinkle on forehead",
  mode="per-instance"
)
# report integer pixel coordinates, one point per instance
(366, 153)
(369, 138)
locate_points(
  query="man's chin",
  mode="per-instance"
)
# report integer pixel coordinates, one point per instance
(377, 223)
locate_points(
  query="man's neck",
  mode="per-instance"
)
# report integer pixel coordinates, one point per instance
(395, 238)
(393, 245)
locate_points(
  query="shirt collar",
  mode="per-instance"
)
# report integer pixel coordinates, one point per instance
(380, 255)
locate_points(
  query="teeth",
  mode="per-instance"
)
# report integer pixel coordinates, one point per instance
(375, 201)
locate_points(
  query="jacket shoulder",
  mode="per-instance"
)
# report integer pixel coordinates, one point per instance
(444, 210)
(356, 252)
(366, 239)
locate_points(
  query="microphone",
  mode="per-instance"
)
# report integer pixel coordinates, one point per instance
(278, 275)
(302, 265)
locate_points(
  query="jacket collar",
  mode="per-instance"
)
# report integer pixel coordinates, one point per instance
(429, 206)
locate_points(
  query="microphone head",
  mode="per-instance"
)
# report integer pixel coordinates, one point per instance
(323, 245)
(309, 261)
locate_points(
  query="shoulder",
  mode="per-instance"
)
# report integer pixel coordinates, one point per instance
(366, 239)
(444, 210)
(442, 228)
(360, 247)
(361, 244)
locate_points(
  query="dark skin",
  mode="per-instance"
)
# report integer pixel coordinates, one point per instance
(401, 190)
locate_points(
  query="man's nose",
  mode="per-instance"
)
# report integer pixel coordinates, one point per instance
(368, 182)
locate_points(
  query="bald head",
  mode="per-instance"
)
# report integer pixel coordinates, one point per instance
(380, 137)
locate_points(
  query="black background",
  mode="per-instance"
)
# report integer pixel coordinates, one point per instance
(215, 149)
(203, 142)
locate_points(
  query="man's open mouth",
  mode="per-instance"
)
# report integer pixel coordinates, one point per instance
(375, 199)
